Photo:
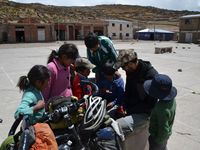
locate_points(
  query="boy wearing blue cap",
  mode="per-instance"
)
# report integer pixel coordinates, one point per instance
(163, 114)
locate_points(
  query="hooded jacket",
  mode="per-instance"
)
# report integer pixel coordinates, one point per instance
(116, 87)
(136, 100)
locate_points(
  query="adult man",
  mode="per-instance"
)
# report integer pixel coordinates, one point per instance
(100, 51)
(138, 104)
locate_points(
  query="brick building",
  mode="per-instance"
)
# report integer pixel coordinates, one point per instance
(26, 30)
(31, 30)
(77, 30)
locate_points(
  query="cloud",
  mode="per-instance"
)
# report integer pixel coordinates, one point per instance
(166, 4)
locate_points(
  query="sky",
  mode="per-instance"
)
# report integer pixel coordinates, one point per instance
(192, 5)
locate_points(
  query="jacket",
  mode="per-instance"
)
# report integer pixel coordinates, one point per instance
(162, 119)
(59, 83)
(116, 87)
(136, 100)
(105, 54)
(80, 89)
(30, 97)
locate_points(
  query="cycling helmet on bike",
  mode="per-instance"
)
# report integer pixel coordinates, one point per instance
(95, 113)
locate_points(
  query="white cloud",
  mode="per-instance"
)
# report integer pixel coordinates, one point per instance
(166, 4)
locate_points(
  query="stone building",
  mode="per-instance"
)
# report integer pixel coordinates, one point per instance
(189, 29)
(120, 29)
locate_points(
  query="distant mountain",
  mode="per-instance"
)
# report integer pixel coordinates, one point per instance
(141, 16)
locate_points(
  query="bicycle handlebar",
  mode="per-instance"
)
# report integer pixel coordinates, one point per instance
(61, 111)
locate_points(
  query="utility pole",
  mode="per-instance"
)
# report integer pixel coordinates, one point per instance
(138, 25)
(58, 38)
(154, 30)
(137, 29)
(198, 31)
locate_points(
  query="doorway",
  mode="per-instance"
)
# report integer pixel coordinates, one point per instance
(71, 33)
(20, 37)
(188, 37)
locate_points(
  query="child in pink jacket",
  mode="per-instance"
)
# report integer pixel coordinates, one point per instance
(59, 65)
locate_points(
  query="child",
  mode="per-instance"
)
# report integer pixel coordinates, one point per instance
(59, 65)
(100, 52)
(32, 103)
(82, 67)
(163, 114)
(112, 89)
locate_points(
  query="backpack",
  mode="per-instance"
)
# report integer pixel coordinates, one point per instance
(44, 138)
(8, 143)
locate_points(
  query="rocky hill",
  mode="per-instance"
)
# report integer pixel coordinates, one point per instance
(141, 16)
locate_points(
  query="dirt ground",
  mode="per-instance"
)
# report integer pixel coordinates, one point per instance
(182, 65)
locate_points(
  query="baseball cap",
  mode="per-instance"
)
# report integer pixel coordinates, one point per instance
(83, 62)
(124, 57)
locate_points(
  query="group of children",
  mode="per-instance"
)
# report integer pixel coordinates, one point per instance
(43, 83)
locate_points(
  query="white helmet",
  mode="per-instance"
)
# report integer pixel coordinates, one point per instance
(95, 112)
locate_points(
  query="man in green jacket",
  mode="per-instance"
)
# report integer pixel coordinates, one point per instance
(100, 52)
(163, 114)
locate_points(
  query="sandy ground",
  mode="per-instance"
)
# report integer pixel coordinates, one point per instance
(17, 59)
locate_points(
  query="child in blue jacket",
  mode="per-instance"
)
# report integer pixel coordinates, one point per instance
(111, 88)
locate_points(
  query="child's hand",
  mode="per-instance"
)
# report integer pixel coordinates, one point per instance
(104, 90)
(110, 105)
(39, 105)
(108, 91)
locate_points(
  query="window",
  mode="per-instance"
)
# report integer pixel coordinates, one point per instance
(19, 27)
(127, 25)
(113, 34)
(120, 27)
(113, 24)
(188, 21)
(41, 27)
(127, 34)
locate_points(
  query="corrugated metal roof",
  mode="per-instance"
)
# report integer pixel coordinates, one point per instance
(156, 30)
(191, 16)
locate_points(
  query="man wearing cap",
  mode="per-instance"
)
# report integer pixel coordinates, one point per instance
(138, 104)
(163, 114)
(82, 68)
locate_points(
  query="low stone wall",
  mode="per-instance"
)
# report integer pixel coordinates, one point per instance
(161, 50)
